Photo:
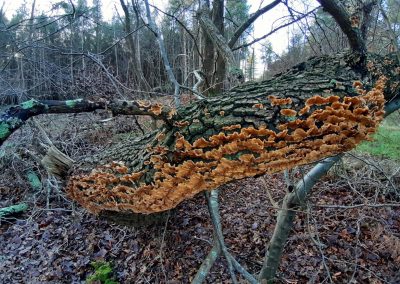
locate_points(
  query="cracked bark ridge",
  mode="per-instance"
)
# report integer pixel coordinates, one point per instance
(317, 109)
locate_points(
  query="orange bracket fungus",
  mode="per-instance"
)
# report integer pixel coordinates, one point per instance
(243, 134)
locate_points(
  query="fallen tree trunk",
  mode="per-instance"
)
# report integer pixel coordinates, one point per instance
(317, 109)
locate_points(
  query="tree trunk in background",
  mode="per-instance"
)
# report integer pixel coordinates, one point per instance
(220, 44)
(144, 84)
(214, 63)
(219, 63)
(134, 46)
(292, 119)
(31, 31)
(208, 56)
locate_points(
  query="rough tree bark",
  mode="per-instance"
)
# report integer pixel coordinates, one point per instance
(312, 111)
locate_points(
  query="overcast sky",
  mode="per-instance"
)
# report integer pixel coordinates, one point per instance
(262, 26)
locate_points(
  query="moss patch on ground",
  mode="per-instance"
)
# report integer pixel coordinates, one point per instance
(102, 273)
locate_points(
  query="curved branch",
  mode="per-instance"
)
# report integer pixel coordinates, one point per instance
(219, 246)
(239, 31)
(273, 31)
(349, 26)
(286, 216)
(199, 79)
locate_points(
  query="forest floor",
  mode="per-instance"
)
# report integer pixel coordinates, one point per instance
(345, 232)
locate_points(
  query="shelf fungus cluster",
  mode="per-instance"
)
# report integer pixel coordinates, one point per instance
(321, 126)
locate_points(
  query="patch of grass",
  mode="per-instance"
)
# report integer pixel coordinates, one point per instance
(102, 272)
(386, 142)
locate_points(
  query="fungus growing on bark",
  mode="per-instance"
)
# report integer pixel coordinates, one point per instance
(357, 84)
(304, 110)
(160, 136)
(318, 100)
(144, 104)
(156, 109)
(259, 106)
(181, 124)
(277, 101)
(178, 171)
(171, 113)
(201, 143)
(288, 112)
(181, 143)
(231, 127)
(355, 21)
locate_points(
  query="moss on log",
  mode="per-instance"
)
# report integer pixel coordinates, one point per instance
(13, 209)
(317, 109)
